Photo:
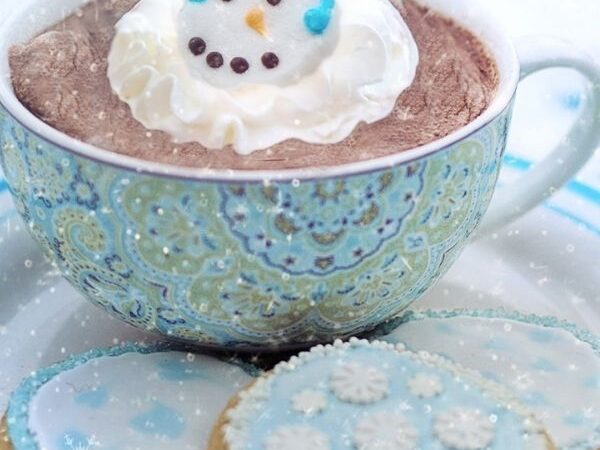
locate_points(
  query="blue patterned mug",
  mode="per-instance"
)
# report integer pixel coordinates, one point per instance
(271, 259)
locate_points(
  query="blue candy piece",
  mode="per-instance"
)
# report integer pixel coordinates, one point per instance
(317, 19)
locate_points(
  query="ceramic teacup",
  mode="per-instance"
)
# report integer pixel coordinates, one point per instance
(271, 259)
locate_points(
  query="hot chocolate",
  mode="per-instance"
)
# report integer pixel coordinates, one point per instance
(61, 76)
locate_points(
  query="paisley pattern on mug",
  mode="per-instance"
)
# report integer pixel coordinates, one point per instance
(252, 264)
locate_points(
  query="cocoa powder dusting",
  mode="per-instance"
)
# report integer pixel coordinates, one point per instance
(60, 76)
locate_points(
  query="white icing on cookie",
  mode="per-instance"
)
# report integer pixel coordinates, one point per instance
(355, 384)
(150, 401)
(464, 429)
(385, 431)
(532, 355)
(309, 402)
(300, 437)
(425, 385)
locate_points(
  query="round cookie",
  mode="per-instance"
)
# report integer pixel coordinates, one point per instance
(375, 396)
(551, 365)
(127, 397)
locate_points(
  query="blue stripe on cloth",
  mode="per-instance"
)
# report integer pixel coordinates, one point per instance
(582, 190)
(577, 220)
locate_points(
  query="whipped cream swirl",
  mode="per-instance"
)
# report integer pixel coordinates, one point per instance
(358, 79)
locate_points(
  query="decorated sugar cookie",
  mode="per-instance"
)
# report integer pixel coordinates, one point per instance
(129, 397)
(375, 396)
(550, 364)
(257, 41)
(253, 73)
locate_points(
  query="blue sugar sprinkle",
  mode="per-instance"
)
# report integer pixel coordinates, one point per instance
(317, 19)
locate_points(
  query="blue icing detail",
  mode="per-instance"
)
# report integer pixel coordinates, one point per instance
(17, 414)
(178, 370)
(317, 19)
(94, 398)
(72, 439)
(592, 382)
(445, 328)
(535, 398)
(574, 420)
(491, 375)
(197, 1)
(541, 336)
(545, 365)
(497, 344)
(160, 421)
(571, 100)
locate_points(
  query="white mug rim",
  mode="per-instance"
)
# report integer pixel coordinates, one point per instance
(472, 16)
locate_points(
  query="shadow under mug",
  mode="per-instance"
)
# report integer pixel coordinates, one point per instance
(276, 259)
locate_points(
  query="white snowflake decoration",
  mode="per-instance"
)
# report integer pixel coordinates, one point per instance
(354, 383)
(309, 402)
(425, 385)
(87, 445)
(464, 429)
(300, 437)
(385, 431)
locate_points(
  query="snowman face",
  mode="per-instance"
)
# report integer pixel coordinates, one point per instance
(231, 42)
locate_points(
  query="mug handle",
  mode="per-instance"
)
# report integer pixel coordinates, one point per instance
(556, 169)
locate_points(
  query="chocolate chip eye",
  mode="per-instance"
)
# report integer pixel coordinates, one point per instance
(273, 2)
(214, 60)
(239, 65)
(270, 60)
(197, 46)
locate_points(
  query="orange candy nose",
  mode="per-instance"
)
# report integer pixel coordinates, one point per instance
(255, 19)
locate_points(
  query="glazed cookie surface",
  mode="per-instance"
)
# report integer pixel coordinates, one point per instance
(124, 398)
(369, 396)
(551, 365)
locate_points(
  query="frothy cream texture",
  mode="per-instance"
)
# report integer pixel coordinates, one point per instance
(373, 62)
